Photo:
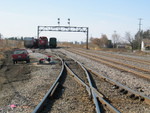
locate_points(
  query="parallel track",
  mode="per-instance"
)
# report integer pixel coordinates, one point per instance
(84, 79)
(116, 91)
(147, 62)
(127, 68)
(91, 83)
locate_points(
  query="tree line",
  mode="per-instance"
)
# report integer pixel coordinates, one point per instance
(133, 41)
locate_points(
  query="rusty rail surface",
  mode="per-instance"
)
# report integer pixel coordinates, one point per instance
(97, 59)
(118, 56)
(116, 62)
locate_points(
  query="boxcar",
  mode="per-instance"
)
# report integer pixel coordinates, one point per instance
(52, 42)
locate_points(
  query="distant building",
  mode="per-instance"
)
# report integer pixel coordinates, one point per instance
(121, 46)
(124, 46)
(145, 45)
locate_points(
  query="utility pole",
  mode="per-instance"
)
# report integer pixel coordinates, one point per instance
(140, 38)
(140, 19)
(114, 38)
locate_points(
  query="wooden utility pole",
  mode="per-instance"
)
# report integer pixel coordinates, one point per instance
(140, 38)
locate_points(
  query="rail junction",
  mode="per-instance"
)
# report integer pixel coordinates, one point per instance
(69, 84)
(109, 96)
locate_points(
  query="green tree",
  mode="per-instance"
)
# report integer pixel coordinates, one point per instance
(146, 34)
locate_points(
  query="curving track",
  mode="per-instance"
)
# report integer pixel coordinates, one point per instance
(64, 96)
(104, 91)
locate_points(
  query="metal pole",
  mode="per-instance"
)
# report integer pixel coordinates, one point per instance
(140, 24)
(38, 32)
(140, 38)
(87, 38)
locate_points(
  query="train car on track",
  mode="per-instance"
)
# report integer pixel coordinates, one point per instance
(43, 42)
(52, 42)
(29, 42)
(36, 43)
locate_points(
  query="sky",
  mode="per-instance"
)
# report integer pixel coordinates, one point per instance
(21, 17)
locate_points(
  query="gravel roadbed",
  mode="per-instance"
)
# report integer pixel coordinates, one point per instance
(132, 63)
(130, 80)
(119, 100)
(74, 99)
(136, 64)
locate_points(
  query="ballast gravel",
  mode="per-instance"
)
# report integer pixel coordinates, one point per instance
(74, 99)
(130, 80)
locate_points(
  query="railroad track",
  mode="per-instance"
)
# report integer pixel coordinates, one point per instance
(94, 84)
(120, 96)
(147, 62)
(115, 64)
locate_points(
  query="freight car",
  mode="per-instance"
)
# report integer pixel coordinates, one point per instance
(52, 42)
(29, 42)
(36, 43)
(43, 42)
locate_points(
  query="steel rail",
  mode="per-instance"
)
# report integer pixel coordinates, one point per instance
(91, 87)
(96, 94)
(106, 59)
(146, 99)
(127, 58)
(80, 81)
(50, 92)
(115, 66)
(121, 57)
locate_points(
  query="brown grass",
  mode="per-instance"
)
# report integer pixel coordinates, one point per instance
(94, 47)
(8, 45)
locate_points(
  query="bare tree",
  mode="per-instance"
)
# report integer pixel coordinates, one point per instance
(115, 38)
(130, 39)
(100, 42)
(104, 40)
(96, 41)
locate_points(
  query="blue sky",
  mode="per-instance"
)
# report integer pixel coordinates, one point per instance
(21, 17)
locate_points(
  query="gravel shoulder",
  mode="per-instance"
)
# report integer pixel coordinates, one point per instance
(22, 86)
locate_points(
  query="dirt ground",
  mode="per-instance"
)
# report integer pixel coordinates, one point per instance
(19, 90)
(10, 73)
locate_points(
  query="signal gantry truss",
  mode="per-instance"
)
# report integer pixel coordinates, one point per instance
(64, 29)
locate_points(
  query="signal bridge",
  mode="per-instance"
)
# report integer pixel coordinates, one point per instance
(64, 29)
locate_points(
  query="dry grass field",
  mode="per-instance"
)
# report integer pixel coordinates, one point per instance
(94, 47)
(6, 45)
